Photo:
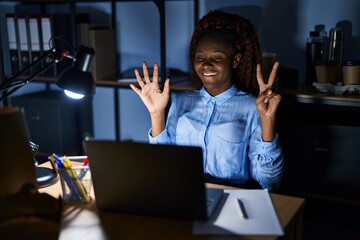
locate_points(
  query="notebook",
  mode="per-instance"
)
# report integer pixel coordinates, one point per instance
(150, 179)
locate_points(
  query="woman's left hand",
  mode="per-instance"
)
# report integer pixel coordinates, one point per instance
(267, 101)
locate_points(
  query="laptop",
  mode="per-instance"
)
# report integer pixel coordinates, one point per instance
(150, 179)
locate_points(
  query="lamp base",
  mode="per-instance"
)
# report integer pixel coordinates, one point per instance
(45, 177)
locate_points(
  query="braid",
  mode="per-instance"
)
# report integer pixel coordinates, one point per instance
(239, 32)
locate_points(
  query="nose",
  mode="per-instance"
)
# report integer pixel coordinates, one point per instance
(207, 62)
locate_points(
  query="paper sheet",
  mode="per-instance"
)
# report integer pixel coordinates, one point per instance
(228, 220)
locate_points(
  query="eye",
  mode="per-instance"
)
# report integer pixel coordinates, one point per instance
(218, 58)
(199, 58)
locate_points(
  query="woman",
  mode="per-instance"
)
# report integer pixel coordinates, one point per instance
(231, 114)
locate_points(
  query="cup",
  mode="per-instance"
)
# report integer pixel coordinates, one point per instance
(76, 184)
(326, 72)
(268, 60)
(351, 72)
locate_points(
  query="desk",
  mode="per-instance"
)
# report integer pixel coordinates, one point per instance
(322, 131)
(85, 222)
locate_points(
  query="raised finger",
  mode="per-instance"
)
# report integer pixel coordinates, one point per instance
(156, 73)
(259, 75)
(273, 73)
(146, 72)
(138, 91)
(260, 78)
(166, 89)
(138, 78)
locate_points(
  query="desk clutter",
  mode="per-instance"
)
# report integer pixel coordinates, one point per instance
(75, 178)
(337, 89)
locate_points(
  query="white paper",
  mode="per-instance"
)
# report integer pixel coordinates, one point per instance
(226, 220)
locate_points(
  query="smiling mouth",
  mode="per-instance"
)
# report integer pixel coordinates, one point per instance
(209, 74)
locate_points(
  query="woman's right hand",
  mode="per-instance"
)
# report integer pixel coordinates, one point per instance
(150, 92)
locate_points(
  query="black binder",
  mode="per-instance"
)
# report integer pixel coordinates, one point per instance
(64, 32)
(13, 40)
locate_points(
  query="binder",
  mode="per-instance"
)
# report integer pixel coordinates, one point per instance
(24, 41)
(104, 63)
(46, 42)
(82, 30)
(34, 39)
(58, 28)
(64, 32)
(11, 24)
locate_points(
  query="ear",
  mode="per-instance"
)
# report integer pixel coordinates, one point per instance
(236, 60)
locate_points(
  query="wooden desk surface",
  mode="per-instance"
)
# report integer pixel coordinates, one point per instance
(85, 222)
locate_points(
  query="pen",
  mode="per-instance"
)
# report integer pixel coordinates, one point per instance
(74, 192)
(76, 157)
(74, 176)
(84, 171)
(241, 208)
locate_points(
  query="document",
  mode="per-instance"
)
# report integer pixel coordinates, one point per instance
(242, 212)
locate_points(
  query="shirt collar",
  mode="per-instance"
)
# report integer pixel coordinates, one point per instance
(220, 98)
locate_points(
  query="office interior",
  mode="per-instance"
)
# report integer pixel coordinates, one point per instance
(320, 137)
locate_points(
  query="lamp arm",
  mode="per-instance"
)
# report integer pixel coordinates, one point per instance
(14, 83)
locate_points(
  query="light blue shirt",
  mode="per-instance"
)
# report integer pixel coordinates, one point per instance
(228, 129)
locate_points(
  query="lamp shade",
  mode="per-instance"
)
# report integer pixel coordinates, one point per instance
(78, 78)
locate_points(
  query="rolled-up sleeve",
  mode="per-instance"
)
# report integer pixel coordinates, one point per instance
(267, 162)
(162, 138)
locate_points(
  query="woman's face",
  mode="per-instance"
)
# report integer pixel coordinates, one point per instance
(214, 64)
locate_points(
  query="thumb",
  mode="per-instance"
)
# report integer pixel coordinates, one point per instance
(166, 89)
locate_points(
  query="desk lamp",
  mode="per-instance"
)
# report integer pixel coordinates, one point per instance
(76, 81)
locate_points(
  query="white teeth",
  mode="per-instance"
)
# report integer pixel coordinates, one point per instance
(209, 74)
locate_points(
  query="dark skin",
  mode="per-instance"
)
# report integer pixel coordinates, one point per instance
(214, 63)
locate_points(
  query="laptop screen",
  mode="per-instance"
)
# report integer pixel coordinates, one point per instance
(148, 179)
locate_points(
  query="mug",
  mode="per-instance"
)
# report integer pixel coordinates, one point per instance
(351, 72)
(326, 72)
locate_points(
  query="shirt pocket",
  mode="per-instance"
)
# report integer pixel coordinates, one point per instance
(187, 131)
(230, 158)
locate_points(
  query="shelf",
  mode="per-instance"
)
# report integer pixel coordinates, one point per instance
(310, 95)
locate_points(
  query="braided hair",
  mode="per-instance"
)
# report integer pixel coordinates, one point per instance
(237, 32)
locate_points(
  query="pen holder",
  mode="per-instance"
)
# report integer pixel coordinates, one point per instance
(76, 184)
